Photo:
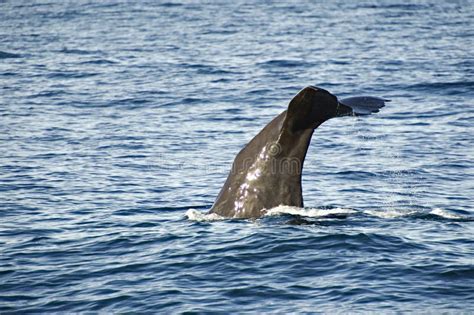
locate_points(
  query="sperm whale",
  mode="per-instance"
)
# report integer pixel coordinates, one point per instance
(267, 172)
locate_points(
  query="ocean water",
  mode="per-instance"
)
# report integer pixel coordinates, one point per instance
(119, 121)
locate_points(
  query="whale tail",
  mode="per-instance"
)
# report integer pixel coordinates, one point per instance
(312, 106)
(360, 106)
(267, 171)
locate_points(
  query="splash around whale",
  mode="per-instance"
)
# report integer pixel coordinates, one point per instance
(266, 173)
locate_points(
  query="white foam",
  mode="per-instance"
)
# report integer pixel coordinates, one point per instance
(445, 214)
(389, 214)
(307, 212)
(195, 215)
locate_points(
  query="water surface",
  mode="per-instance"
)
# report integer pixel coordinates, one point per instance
(117, 118)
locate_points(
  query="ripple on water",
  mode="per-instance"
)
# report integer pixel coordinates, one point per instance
(120, 120)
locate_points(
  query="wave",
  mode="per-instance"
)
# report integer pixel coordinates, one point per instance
(447, 214)
(195, 215)
(320, 213)
(98, 62)
(74, 51)
(309, 212)
(285, 63)
(4, 55)
(445, 88)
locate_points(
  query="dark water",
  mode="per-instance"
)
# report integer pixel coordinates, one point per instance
(117, 118)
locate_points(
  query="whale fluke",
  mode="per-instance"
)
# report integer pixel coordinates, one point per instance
(266, 173)
(364, 105)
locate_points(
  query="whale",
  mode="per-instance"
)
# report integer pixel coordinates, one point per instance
(267, 172)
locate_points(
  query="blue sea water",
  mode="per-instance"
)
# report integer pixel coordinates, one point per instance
(119, 121)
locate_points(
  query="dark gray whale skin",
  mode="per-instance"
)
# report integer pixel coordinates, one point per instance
(267, 172)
